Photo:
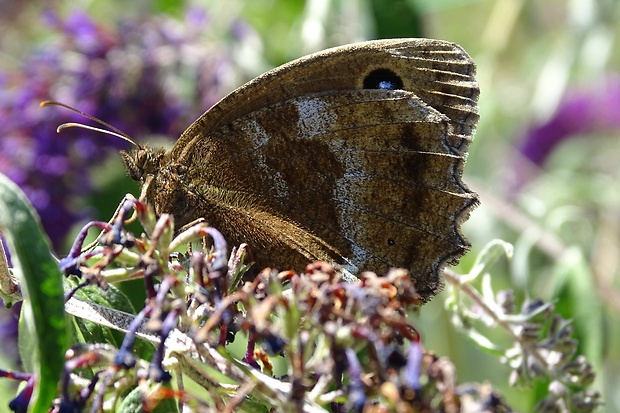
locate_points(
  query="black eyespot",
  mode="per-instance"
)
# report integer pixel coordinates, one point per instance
(383, 79)
(391, 242)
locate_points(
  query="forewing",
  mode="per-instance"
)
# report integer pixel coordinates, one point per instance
(305, 163)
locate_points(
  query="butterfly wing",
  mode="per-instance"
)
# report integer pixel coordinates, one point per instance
(353, 155)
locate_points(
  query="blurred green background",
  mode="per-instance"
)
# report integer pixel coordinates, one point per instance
(546, 158)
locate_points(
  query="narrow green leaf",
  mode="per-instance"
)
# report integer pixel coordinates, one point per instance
(490, 254)
(89, 332)
(41, 285)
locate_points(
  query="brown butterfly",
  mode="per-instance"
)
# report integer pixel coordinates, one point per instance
(352, 155)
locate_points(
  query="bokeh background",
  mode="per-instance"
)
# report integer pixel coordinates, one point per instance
(546, 158)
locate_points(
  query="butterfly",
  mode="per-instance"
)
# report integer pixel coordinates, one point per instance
(352, 155)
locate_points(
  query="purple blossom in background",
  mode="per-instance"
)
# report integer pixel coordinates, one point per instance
(147, 77)
(582, 112)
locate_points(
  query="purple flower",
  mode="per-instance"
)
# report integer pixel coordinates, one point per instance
(148, 77)
(582, 112)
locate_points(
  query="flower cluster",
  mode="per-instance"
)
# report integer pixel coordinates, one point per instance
(543, 346)
(546, 349)
(347, 347)
(148, 77)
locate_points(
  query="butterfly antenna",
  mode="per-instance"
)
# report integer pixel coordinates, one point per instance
(114, 131)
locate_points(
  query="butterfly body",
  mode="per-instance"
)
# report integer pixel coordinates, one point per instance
(353, 156)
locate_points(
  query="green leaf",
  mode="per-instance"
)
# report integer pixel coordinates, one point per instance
(86, 331)
(41, 285)
(132, 403)
(490, 254)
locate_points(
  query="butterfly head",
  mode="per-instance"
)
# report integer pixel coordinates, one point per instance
(146, 165)
(162, 182)
(142, 162)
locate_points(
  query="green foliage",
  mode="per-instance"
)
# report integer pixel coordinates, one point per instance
(44, 338)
